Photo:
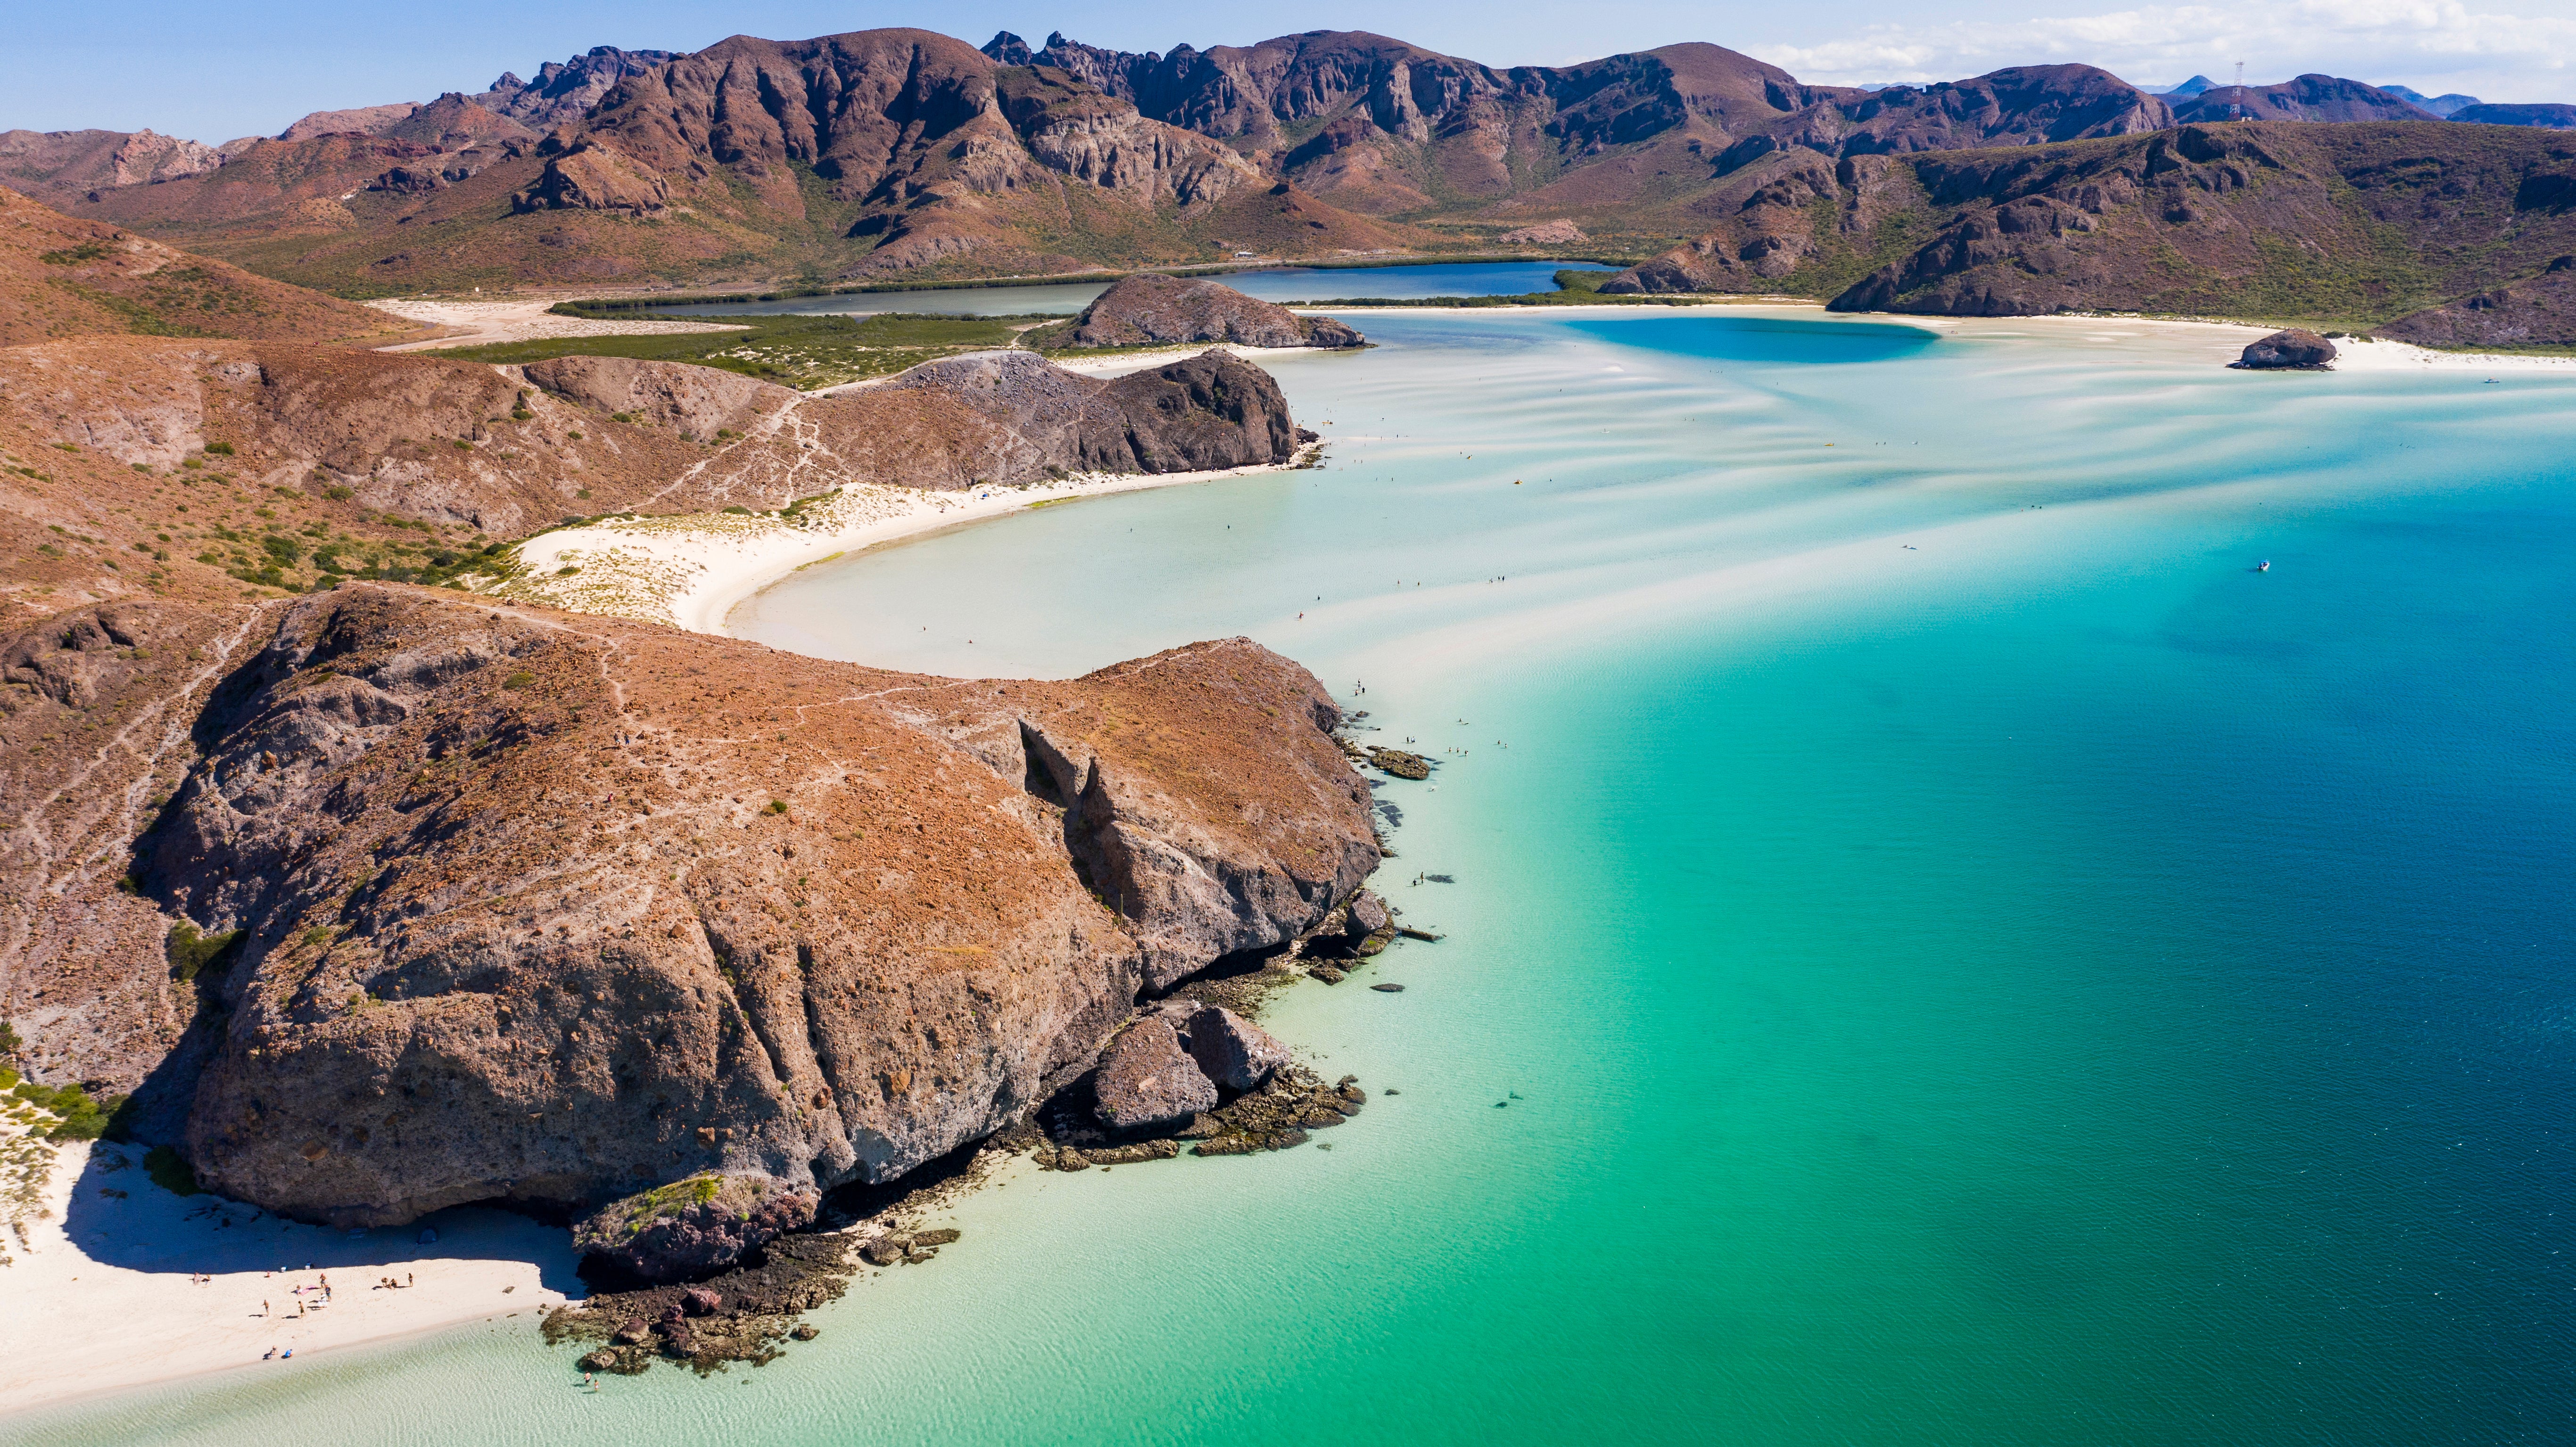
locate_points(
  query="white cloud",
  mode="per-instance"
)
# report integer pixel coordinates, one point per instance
(2430, 44)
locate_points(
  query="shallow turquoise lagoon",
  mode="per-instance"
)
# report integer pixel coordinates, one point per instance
(1962, 957)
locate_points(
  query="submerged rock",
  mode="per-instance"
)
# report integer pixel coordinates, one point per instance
(1400, 763)
(2296, 349)
(1146, 1079)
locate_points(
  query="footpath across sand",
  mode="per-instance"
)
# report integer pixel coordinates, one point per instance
(100, 1294)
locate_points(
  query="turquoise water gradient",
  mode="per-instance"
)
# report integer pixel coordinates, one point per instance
(1977, 963)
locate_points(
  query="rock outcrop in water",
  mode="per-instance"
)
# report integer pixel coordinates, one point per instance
(1149, 310)
(693, 1226)
(2294, 350)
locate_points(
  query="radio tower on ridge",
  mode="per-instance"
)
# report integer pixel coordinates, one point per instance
(2236, 106)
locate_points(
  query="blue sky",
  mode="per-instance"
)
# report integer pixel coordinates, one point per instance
(216, 72)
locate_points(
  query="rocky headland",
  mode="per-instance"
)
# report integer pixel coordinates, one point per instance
(370, 898)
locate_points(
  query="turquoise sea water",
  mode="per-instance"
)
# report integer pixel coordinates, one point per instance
(1281, 284)
(1966, 959)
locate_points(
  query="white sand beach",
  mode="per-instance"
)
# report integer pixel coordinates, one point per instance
(122, 1283)
(692, 569)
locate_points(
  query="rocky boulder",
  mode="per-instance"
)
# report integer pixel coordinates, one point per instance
(1009, 417)
(1147, 1079)
(696, 401)
(2296, 349)
(1148, 310)
(1232, 1051)
(693, 1226)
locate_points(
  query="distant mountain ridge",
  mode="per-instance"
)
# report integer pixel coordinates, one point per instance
(904, 153)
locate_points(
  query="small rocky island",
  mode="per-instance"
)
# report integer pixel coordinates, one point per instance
(1148, 310)
(2294, 350)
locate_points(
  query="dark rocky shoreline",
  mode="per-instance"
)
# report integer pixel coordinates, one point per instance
(1257, 1097)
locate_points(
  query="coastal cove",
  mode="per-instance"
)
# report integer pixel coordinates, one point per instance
(1937, 948)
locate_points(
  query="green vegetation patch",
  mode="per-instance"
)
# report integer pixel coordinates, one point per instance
(80, 1116)
(191, 952)
(170, 1172)
(684, 1194)
(802, 351)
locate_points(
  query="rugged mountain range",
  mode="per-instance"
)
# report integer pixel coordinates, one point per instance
(904, 153)
(565, 90)
(2353, 222)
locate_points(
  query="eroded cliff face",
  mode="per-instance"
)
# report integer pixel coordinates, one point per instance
(552, 908)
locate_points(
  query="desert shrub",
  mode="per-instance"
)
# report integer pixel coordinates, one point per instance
(777, 806)
(219, 449)
(338, 494)
(520, 679)
(190, 952)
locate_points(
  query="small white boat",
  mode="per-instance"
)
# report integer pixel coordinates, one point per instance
(2264, 566)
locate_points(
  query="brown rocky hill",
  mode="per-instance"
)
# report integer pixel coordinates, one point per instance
(1146, 310)
(565, 90)
(2345, 222)
(524, 916)
(360, 120)
(168, 469)
(2551, 116)
(2307, 98)
(62, 166)
(61, 277)
(427, 901)
(2539, 312)
(1629, 141)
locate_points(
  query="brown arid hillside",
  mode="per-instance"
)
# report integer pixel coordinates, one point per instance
(144, 468)
(2347, 223)
(2536, 313)
(60, 166)
(61, 277)
(2306, 98)
(537, 906)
